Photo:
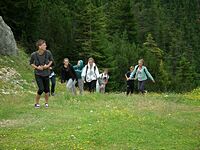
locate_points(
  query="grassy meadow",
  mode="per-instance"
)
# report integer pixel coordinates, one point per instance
(93, 121)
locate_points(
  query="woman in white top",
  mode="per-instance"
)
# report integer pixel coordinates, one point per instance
(90, 74)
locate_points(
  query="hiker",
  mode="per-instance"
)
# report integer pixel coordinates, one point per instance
(90, 74)
(102, 81)
(68, 75)
(52, 78)
(129, 81)
(141, 73)
(78, 69)
(41, 60)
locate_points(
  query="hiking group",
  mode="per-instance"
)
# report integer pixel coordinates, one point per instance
(43, 64)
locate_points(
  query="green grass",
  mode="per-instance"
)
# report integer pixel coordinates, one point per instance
(24, 76)
(94, 121)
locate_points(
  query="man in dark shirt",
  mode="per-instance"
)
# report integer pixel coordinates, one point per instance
(41, 60)
(130, 82)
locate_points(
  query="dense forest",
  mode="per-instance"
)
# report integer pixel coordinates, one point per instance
(116, 33)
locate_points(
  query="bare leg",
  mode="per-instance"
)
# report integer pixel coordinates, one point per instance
(37, 98)
(46, 97)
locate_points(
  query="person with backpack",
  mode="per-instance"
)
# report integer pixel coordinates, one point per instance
(41, 60)
(102, 81)
(78, 69)
(141, 73)
(68, 75)
(129, 82)
(52, 78)
(90, 74)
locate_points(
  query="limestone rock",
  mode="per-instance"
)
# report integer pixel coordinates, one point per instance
(8, 44)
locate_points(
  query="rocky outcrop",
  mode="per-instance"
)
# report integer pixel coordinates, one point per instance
(8, 44)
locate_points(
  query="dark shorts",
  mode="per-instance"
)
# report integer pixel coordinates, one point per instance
(42, 83)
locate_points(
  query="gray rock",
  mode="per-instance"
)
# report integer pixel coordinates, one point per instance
(8, 44)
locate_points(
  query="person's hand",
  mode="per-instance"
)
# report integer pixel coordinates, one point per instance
(102, 86)
(75, 81)
(134, 78)
(40, 67)
(154, 81)
(128, 79)
(45, 66)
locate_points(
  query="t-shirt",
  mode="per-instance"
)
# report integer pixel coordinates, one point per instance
(41, 60)
(128, 75)
(139, 74)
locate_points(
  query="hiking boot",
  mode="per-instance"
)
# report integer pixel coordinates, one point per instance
(37, 105)
(46, 105)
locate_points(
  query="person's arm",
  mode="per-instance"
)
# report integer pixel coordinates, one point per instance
(50, 58)
(136, 76)
(148, 74)
(74, 73)
(62, 75)
(126, 77)
(48, 65)
(97, 72)
(32, 62)
(134, 71)
(83, 74)
(75, 67)
(37, 67)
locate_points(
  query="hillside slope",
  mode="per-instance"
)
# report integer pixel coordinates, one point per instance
(92, 121)
(16, 75)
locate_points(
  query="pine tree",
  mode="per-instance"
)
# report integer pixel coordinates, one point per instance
(185, 77)
(121, 18)
(154, 61)
(122, 55)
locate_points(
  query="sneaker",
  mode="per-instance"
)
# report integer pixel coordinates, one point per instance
(37, 105)
(46, 105)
